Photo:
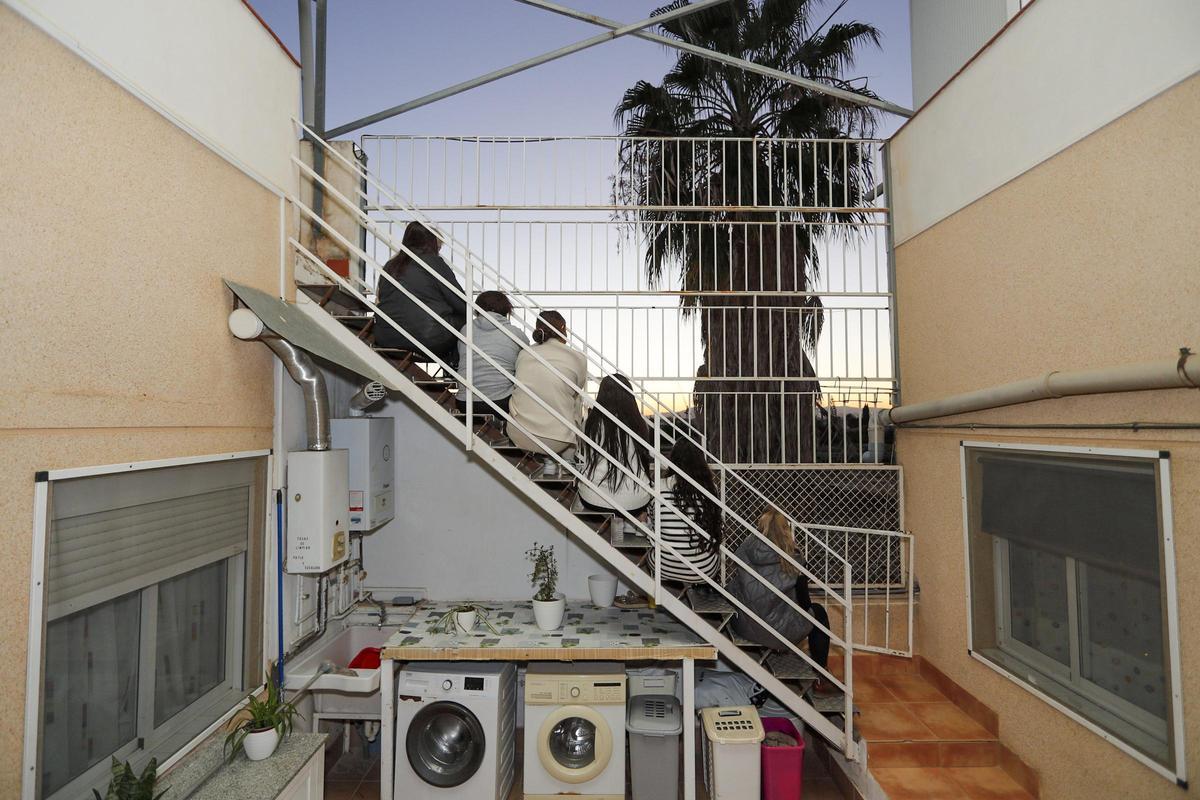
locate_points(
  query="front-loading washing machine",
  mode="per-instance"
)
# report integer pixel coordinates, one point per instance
(575, 731)
(456, 731)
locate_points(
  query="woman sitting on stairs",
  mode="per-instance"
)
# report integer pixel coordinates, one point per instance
(780, 615)
(617, 490)
(534, 427)
(693, 549)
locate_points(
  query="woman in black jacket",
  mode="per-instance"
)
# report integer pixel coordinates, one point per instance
(422, 327)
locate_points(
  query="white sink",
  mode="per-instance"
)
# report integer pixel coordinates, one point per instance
(339, 648)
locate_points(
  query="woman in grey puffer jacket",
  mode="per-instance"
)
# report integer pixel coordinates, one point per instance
(773, 610)
(501, 340)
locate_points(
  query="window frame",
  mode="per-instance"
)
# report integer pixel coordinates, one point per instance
(166, 740)
(1054, 670)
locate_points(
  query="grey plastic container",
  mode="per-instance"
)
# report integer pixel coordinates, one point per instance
(654, 723)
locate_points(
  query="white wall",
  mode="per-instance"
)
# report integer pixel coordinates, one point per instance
(461, 532)
(945, 34)
(1064, 68)
(209, 65)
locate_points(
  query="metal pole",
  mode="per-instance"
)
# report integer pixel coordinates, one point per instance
(891, 276)
(657, 506)
(470, 368)
(308, 88)
(617, 30)
(732, 61)
(318, 123)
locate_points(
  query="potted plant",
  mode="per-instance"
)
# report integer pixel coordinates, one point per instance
(127, 786)
(462, 618)
(549, 605)
(267, 719)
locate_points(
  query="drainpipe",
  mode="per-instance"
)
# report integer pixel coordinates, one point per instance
(1181, 373)
(245, 325)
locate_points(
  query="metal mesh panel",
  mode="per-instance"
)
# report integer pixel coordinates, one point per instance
(856, 497)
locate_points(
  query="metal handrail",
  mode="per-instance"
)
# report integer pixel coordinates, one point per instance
(601, 360)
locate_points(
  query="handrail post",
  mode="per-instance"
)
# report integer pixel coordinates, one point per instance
(657, 505)
(470, 351)
(848, 665)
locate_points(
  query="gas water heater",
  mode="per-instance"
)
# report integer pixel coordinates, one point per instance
(372, 471)
(317, 516)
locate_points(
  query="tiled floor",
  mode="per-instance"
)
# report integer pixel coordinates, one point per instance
(921, 745)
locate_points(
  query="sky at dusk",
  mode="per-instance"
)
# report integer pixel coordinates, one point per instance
(384, 52)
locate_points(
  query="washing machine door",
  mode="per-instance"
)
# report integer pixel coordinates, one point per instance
(445, 744)
(575, 744)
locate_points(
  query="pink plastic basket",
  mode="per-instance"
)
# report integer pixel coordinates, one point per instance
(782, 767)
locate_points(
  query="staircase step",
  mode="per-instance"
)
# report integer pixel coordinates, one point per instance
(331, 294)
(595, 520)
(709, 602)
(790, 667)
(628, 538)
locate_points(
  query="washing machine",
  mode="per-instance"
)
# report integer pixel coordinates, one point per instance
(456, 731)
(575, 731)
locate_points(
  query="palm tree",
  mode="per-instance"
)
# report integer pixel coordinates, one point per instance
(710, 211)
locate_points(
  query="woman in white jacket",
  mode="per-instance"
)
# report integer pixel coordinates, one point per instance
(495, 335)
(535, 428)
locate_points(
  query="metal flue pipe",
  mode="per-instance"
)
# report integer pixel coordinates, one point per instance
(370, 394)
(245, 325)
(1183, 372)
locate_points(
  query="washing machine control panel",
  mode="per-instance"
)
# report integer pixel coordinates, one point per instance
(575, 689)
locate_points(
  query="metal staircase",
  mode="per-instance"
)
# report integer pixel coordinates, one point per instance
(344, 307)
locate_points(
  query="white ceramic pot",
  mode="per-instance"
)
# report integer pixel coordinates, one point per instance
(465, 621)
(261, 744)
(603, 588)
(549, 613)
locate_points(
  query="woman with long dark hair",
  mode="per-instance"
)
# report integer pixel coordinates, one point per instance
(692, 527)
(422, 327)
(631, 450)
(534, 427)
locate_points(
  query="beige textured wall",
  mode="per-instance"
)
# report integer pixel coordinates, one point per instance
(117, 228)
(1088, 260)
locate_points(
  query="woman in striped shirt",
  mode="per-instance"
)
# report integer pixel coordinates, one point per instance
(695, 547)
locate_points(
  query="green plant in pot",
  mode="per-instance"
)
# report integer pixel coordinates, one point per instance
(125, 785)
(462, 618)
(266, 720)
(549, 604)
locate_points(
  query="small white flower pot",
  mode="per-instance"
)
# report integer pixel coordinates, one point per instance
(602, 588)
(261, 744)
(464, 621)
(549, 613)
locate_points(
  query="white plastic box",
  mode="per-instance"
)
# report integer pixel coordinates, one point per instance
(372, 472)
(732, 752)
(317, 517)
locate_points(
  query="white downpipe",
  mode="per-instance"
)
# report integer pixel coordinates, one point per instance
(1182, 373)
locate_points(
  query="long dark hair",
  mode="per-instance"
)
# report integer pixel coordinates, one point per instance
(418, 239)
(616, 396)
(689, 460)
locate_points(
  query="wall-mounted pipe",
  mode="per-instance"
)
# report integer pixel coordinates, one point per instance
(1183, 372)
(370, 394)
(245, 325)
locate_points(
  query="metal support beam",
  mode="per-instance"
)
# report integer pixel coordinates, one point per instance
(713, 55)
(307, 81)
(318, 123)
(617, 29)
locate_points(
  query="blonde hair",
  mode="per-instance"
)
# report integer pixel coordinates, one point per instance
(775, 526)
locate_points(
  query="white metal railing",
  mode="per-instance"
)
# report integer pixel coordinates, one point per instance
(661, 465)
(575, 222)
(478, 272)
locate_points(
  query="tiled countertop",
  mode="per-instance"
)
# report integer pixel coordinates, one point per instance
(588, 633)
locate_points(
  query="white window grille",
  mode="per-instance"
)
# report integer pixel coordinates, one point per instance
(1072, 586)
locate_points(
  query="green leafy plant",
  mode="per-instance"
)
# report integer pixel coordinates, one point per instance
(127, 786)
(448, 623)
(545, 571)
(262, 714)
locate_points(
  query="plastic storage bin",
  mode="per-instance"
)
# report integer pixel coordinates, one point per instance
(654, 723)
(732, 762)
(782, 767)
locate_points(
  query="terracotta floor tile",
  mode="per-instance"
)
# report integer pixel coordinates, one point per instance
(871, 690)
(912, 689)
(904, 754)
(345, 790)
(920, 783)
(949, 721)
(987, 783)
(891, 722)
(968, 754)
